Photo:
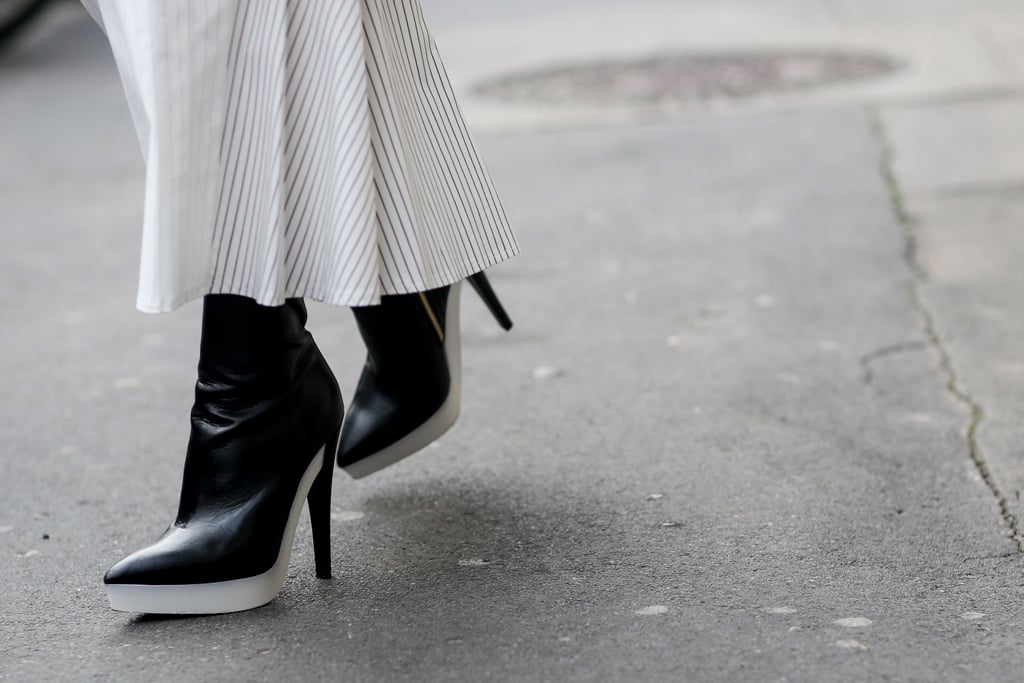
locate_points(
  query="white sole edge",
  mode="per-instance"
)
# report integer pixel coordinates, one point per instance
(224, 596)
(438, 423)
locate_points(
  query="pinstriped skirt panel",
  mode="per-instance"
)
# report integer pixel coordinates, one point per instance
(299, 148)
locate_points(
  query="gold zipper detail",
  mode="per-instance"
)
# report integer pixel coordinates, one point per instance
(433, 318)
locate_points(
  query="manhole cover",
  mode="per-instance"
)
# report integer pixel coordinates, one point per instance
(688, 77)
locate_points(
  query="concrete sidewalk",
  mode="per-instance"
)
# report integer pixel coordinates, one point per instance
(759, 418)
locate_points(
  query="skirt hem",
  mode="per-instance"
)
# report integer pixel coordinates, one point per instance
(346, 299)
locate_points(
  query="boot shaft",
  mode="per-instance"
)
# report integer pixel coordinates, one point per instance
(264, 392)
(246, 344)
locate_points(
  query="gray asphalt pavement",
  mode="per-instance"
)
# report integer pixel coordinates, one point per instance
(759, 418)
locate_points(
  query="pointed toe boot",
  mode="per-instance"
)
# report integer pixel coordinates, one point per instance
(410, 389)
(264, 429)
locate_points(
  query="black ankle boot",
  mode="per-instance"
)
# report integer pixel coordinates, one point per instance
(410, 390)
(264, 428)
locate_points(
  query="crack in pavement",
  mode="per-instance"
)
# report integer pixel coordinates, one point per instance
(918, 278)
(868, 359)
(998, 556)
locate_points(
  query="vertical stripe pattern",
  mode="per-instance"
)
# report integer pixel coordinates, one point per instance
(299, 149)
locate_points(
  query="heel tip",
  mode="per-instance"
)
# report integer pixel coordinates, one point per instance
(482, 285)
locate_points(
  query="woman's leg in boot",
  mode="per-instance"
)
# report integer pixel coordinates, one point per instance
(263, 431)
(409, 393)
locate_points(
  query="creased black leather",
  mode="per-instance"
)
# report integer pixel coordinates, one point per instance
(406, 378)
(265, 404)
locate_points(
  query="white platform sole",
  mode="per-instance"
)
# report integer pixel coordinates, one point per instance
(438, 423)
(224, 596)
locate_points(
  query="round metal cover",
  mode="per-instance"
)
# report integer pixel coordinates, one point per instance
(688, 77)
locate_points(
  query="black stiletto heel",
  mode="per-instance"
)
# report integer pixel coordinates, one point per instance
(482, 285)
(319, 502)
(410, 391)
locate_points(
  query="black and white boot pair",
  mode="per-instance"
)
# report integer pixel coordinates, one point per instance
(265, 428)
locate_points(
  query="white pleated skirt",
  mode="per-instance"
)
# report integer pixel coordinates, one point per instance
(299, 148)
